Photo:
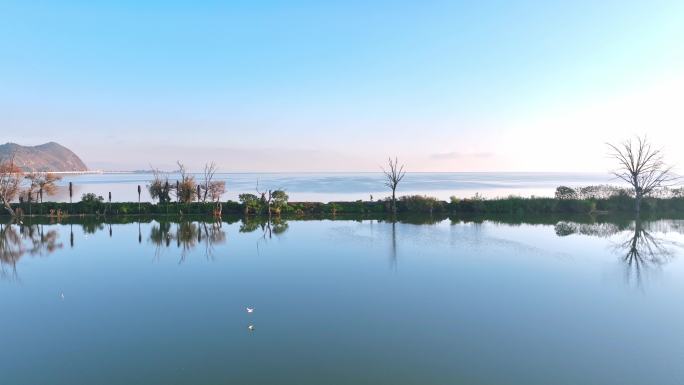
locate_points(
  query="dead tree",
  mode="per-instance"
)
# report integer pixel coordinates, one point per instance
(642, 167)
(185, 188)
(266, 198)
(393, 176)
(11, 176)
(43, 183)
(208, 177)
(159, 187)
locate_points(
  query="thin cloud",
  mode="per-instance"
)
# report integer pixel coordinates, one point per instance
(461, 155)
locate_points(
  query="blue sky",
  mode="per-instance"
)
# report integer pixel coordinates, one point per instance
(339, 85)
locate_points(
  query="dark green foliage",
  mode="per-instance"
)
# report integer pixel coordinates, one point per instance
(91, 198)
(420, 204)
(519, 206)
(248, 225)
(90, 203)
(613, 201)
(565, 192)
(250, 202)
(279, 227)
(600, 192)
(279, 198)
(357, 207)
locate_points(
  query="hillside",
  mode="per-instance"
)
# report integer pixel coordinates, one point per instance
(45, 157)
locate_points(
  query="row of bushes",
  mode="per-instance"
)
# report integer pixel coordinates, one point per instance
(610, 191)
(124, 208)
(407, 204)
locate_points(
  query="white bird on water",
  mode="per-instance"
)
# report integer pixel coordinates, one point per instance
(250, 310)
(61, 295)
(250, 328)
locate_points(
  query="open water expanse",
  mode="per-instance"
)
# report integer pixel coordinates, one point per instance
(344, 301)
(346, 186)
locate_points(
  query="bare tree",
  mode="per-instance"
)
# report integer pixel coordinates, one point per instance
(159, 187)
(272, 199)
(42, 183)
(393, 176)
(216, 189)
(208, 177)
(264, 199)
(11, 176)
(185, 188)
(642, 167)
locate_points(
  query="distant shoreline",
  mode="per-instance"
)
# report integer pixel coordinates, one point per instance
(76, 172)
(530, 173)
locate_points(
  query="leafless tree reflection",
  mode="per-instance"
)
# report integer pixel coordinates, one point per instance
(640, 250)
(187, 236)
(11, 250)
(643, 252)
(248, 225)
(90, 227)
(273, 226)
(213, 235)
(270, 227)
(160, 236)
(393, 251)
(19, 240)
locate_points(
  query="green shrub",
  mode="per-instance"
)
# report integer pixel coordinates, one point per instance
(564, 192)
(91, 198)
(250, 202)
(419, 203)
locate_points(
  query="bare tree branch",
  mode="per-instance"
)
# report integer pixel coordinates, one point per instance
(642, 167)
(393, 176)
(11, 176)
(207, 181)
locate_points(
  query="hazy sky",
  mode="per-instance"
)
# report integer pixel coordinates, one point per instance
(339, 85)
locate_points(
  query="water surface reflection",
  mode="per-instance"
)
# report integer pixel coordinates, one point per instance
(639, 244)
(186, 236)
(463, 300)
(17, 241)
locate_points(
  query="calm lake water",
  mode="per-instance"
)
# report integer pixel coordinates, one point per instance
(347, 186)
(343, 302)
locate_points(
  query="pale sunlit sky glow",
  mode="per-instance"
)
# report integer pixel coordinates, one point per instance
(339, 85)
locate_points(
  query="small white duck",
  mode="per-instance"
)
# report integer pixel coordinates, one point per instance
(250, 310)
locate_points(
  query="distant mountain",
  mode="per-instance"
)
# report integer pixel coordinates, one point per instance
(45, 157)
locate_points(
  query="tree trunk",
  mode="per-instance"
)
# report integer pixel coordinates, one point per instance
(8, 207)
(637, 204)
(394, 202)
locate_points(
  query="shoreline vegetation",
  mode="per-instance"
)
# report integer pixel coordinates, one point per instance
(251, 206)
(641, 167)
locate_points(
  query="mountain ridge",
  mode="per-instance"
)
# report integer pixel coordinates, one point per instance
(50, 156)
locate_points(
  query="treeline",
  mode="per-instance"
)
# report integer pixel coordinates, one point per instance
(276, 204)
(609, 191)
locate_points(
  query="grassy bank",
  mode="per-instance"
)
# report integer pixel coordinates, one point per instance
(413, 204)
